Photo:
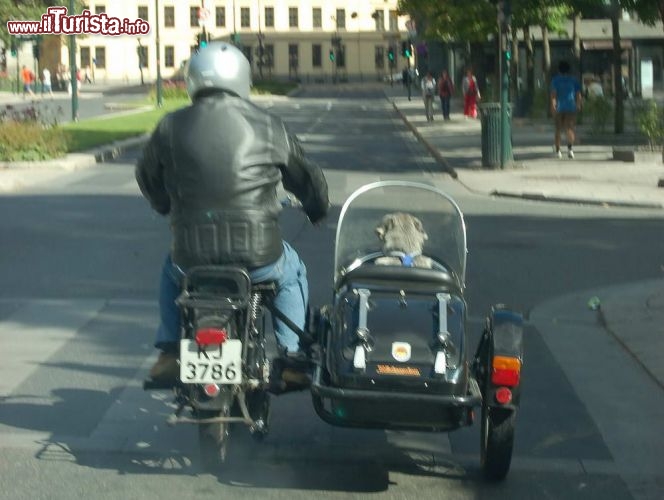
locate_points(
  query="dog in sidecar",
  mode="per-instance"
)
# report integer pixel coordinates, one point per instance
(393, 351)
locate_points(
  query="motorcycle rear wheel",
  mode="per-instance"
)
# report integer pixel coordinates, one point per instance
(213, 439)
(497, 435)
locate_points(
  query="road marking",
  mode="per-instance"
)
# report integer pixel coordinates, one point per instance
(36, 330)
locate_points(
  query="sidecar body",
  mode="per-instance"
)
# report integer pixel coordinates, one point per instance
(394, 352)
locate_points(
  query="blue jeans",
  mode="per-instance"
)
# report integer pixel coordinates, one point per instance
(445, 105)
(290, 275)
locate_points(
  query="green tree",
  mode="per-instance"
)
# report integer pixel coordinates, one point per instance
(454, 20)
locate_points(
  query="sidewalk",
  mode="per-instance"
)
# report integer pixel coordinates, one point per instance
(592, 177)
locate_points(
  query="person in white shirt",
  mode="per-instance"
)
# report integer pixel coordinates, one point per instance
(46, 82)
(429, 91)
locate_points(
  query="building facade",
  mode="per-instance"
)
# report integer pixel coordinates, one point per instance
(317, 40)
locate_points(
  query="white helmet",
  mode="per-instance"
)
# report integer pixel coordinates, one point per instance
(220, 66)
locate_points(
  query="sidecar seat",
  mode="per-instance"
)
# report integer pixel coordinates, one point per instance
(411, 278)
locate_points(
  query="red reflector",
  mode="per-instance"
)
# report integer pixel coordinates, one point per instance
(211, 390)
(508, 377)
(210, 336)
(503, 395)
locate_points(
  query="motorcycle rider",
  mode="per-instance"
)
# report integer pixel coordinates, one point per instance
(214, 167)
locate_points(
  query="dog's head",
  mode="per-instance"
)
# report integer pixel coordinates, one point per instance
(402, 232)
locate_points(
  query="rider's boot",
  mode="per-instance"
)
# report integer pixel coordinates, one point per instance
(290, 372)
(166, 369)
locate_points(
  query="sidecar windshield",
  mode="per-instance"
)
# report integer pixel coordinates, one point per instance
(357, 240)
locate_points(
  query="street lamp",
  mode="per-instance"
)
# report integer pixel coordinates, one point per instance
(261, 47)
(504, 19)
(355, 15)
(72, 69)
(160, 100)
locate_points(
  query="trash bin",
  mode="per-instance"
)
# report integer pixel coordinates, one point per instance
(490, 119)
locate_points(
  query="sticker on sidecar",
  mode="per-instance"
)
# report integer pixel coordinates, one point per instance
(401, 351)
(214, 364)
(404, 371)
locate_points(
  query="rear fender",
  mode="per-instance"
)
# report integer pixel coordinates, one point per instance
(505, 340)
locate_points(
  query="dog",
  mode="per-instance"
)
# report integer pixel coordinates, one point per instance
(403, 238)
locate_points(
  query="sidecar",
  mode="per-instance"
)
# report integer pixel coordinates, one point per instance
(393, 351)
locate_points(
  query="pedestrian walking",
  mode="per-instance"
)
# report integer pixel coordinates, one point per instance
(566, 101)
(445, 91)
(46, 82)
(471, 94)
(28, 77)
(87, 76)
(428, 93)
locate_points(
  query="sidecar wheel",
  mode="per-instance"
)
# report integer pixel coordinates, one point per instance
(497, 434)
(213, 440)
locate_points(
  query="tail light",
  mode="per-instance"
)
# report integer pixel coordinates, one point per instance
(211, 390)
(506, 370)
(211, 336)
(503, 395)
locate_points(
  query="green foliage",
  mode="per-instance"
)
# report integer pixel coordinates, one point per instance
(272, 87)
(7, 83)
(30, 134)
(598, 112)
(170, 90)
(650, 120)
(452, 19)
(31, 142)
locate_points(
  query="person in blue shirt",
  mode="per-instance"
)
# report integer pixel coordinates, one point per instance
(565, 102)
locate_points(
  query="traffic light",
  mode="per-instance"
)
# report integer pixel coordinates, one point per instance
(408, 52)
(35, 51)
(202, 40)
(331, 55)
(14, 48)
(390, 54)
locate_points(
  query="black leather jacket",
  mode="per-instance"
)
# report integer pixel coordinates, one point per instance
(214, 167)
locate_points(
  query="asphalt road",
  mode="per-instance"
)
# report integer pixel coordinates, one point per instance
(80, 260)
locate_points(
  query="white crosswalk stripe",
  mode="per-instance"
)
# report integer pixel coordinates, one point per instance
(34, 331)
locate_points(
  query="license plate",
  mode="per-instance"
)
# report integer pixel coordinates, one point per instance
(213, 364)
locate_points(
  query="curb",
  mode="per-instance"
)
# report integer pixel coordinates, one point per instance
(577, 201)
(75, 161)
(432, 150)
(112, 151)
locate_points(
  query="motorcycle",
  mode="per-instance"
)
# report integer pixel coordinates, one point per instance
(389, 352)
(224, 369)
